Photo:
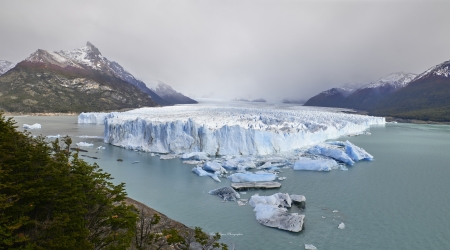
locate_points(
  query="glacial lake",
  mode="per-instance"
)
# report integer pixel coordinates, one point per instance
(400, 200)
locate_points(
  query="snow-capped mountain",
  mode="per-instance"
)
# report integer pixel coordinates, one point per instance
(442, 70)
(362, 96)
(426, 97)
(68, 81)
(396, 80)
(89, 56)
(333, 97)
(168, 93)
(5, 66)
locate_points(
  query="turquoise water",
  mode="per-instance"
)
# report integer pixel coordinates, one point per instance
(400, 200)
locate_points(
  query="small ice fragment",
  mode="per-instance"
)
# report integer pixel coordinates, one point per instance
(53, 136)
(323, 217)
(335, 211)
(100, 147)
(341, 226)
(84, 144)
(310, 247)
(243, 192)
(34, 126)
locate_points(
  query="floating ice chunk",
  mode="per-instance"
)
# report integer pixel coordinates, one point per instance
(335, 211)
(167, 157)
(226, 193)
(34, 126)
(201, 172)
(304, 163)
(230, 164)
(90, 136)
(343, 168)
(84, 144)
(193, 162)
(242, 202)
(53, 136)
(250, 177)
(273, 216)
(198, 156)
(297, 198)
(334, 153)
(100, 147)
(341, 225)
(278, 200)
(281, 178)
(357, 153)
(214, 167)
(310, 247)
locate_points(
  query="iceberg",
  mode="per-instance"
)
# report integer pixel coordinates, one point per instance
(310, 247)
(226, 193)
(198, 156)
(226, 130)
(304, 163)
(277, 200)
(271, 211)
(214, 167)
(34, 126)
(201, 172)
(251, 177)
(334, 153)
(53, 136)
(84, 144)
(297, 198)
(356, 153)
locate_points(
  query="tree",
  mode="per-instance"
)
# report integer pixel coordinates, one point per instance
(51, 199)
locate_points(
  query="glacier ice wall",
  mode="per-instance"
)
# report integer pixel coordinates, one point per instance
(93, 117)
(226, 130)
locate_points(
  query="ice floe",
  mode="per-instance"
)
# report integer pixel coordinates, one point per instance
(271, 211)
(226, 193)
(252, 177)
(304, 163)
(200, 172)
(34, 126)
(198, 156)
(84, 144)
(334, 153)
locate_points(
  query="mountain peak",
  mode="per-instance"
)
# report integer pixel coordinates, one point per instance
(5, 66)
(442, 70)
(93, 49)
(396, 80)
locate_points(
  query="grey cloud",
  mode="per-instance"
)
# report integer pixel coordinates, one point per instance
(259, 48)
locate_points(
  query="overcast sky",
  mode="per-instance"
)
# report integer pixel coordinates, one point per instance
(247, 49)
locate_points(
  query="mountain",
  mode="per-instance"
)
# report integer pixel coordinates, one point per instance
(68, 81)
(166, 92)
(5, 66)
(427, 97)
(369, 95)
(334, 97)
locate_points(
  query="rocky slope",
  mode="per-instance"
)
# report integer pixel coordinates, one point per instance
(5, 66)
(73, 81)
(427, 97)
(167, 93)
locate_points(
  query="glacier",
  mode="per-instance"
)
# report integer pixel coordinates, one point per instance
(225, 130)
(92, 117)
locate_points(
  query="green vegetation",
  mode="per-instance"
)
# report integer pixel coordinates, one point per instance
(41, 88)
(51, 199)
